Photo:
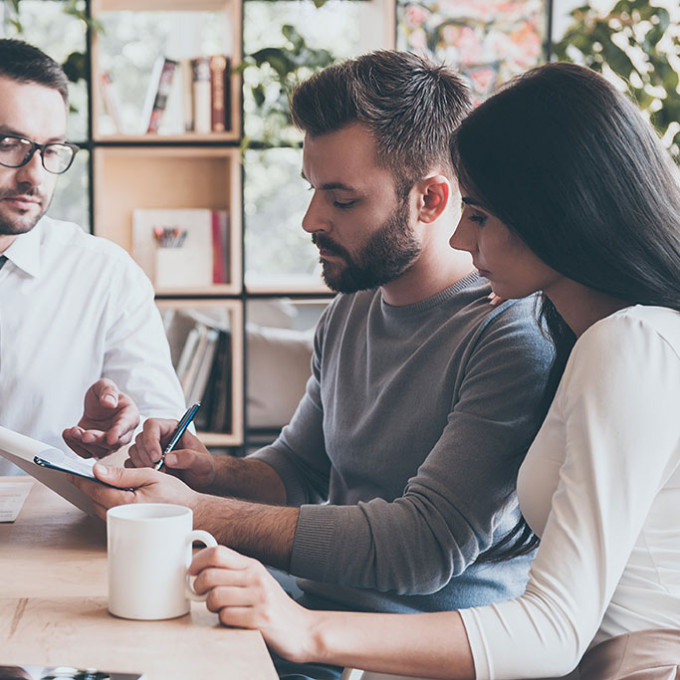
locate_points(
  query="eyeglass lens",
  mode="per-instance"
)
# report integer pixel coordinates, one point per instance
(17, 151)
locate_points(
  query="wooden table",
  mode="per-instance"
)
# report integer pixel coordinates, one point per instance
(53, 607)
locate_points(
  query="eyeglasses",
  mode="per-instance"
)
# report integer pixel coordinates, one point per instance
(17, 151)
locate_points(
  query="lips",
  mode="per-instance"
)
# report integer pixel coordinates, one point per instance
(22, 202)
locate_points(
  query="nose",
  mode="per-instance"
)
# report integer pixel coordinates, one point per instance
(314, 219)
(464, 236)
(33, 172)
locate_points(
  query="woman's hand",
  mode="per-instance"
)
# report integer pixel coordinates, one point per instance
(246, 595)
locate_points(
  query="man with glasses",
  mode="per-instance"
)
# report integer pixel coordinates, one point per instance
(77, 317)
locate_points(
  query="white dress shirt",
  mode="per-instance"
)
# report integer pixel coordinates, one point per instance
(601, 486)
(75, 308)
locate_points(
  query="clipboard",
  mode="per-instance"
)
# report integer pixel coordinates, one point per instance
(22, 450)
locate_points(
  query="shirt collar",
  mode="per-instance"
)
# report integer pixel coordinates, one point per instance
(25, 252)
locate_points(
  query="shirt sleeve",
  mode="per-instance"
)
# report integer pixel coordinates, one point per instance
(615, 411)
(137, 355)
(463, 492)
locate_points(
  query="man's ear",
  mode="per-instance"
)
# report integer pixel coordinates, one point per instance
(434, 192)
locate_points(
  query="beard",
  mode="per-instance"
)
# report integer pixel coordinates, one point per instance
(14, 224)
(389, 253)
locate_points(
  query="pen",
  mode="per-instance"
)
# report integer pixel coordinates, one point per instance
(179, 431)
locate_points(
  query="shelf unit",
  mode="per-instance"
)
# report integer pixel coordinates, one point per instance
(178, 171)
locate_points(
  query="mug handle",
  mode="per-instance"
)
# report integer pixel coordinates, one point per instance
(210, 542)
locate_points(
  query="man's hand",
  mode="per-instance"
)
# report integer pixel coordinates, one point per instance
(148, 486)
(191, 462)
(109, 421)
(245, 595)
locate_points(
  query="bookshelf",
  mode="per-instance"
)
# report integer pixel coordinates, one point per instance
(175, 169)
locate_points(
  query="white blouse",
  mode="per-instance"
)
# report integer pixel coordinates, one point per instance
(601, 486)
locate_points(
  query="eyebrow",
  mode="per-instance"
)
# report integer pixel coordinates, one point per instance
(332, 186)
(471, 201)
(6, 130)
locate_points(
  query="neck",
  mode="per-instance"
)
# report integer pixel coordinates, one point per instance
(438, 266)
(581, 306)
(6, 241)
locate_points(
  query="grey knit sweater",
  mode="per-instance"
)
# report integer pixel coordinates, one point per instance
(404, 451)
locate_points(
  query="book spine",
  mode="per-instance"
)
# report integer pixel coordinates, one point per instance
(219, 272)
(187, 85)
(111, 101)
(161, 97)
(219, 85)
(200, 68)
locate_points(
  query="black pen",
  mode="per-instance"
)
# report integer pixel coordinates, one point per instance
(179, 431)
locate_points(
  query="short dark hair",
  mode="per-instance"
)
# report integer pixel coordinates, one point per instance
(410, 104)
(27, 64)
(569, 164)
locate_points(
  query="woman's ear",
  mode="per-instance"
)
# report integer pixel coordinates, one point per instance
(434, 193)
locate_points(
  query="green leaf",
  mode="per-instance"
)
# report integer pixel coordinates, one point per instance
(75, 67)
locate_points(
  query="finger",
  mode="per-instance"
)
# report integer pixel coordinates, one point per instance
(124, 478)
(182, 459)
(237, 617)
(149, 442)
(93, 436)
(123, 426)
(107, 392)
(103, 497)
(231, 597)
(74, 439)
(221, 557)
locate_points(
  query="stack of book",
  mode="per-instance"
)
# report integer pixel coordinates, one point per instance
(200, 347)
(205, 84)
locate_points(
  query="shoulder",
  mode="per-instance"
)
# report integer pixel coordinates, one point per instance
(67, 239)
(630, 349)
(641, 331)
(516, 323)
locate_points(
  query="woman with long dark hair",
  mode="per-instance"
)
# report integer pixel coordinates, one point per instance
(566, 191)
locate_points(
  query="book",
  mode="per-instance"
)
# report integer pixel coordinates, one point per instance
(111, 101)
(187, 85)
(205, 356)
(158, 92)
(202, 104)
(219, 243)
(218, 393)
(63, 673)
(219, 89)
(188, 261)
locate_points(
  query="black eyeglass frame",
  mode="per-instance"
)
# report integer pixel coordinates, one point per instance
(40, 147)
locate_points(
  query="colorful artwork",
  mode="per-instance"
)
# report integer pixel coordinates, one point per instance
(489, 41)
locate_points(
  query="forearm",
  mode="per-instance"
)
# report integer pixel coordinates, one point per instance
(247, 478)
(429, 645)
(265, 532)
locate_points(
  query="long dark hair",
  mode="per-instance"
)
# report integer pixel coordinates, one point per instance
(569, 165)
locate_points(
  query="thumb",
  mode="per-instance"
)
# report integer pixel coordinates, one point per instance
(124, 478)
(107, 392)
(182, 459)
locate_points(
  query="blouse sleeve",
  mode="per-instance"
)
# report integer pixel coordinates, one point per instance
(616, 415)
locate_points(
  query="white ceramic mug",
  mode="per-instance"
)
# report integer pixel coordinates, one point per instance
(149, 551)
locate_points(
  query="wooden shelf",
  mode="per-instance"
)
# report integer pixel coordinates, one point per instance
(232, 17)
(235, 325)
(164, 178)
